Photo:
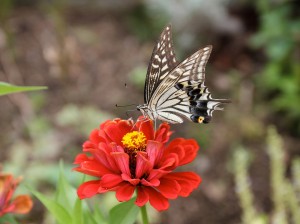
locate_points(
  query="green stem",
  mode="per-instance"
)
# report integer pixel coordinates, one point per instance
(144, 215)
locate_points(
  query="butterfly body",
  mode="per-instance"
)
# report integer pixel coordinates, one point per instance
(174, 91)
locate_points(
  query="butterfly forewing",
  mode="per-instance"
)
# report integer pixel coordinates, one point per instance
(162, 62)
(194, 66)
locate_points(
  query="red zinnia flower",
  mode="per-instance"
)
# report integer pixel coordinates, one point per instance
(128, 157)
(20, 205)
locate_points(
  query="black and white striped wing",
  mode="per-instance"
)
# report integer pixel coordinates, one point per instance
(161, 63)
(182, 94)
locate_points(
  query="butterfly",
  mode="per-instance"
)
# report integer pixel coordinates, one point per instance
(174, 91)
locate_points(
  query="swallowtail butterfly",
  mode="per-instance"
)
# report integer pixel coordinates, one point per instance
(173, 90)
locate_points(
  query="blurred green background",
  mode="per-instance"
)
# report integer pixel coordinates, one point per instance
(93, 54)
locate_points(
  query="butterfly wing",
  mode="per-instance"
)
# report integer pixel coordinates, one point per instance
(161, 63)
(182, 93)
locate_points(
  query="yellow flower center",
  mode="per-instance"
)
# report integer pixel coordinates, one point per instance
(134, 141)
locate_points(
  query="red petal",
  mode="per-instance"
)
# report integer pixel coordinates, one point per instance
(151, 183)
(101, 154)
(105, 147)
(105, 123)
(122, 160)
(190, 155)
(89, 165)
(146, 126)
(87, 145)
(95, 137)
(106, 160)
(81, 158)
(108, 122)
(169, 163)
(8, 185)
(142, 197)
(186, 149)
(116, 130)
(111, 180)
(92, 168)
(142, 164)
(188, 181)
(104, 136)
(163, 133)
(169, 188)
(130, 180)
(157, 174)
(155, 151)
(88, 189)
(157, 200)
(22, 204)
(102, 190)
(124, 192)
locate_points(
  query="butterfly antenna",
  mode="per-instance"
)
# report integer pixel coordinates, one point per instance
(128, 105)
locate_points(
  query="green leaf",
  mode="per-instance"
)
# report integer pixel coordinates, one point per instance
(98, 215)
(6, 88)
(124, 213)
(77, 213)
(63, 191)
(58, 211)
(89, 218)
(8, 218)
(67, 197)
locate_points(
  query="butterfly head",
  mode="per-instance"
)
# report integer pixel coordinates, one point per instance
(145, 111)
(143, 108)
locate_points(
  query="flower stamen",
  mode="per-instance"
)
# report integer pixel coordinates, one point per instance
(134, 141)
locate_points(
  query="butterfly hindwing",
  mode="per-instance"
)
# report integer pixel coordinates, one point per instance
(183, 94)
(162, 61)
(192, 101)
